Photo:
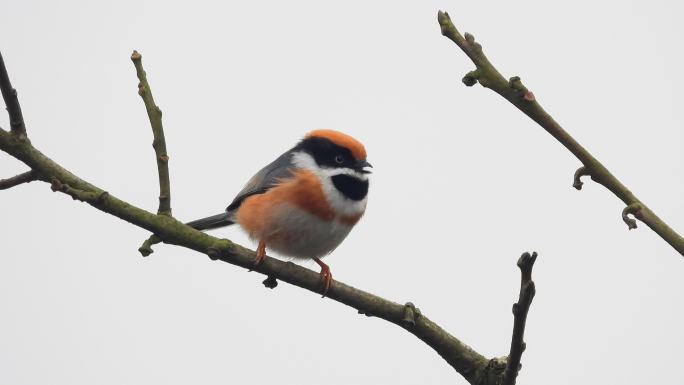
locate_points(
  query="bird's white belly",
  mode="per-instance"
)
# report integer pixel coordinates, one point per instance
(296, 233)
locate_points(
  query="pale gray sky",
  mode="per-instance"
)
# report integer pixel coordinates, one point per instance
(463, 183)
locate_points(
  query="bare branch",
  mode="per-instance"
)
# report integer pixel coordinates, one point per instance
(26, 177)
(473, 366)
(159, 143)
(9, 94)
(520, 309)
(517, 94)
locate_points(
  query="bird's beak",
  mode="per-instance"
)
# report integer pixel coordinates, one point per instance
(361, 165)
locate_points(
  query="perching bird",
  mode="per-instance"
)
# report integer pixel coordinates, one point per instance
(304, 203)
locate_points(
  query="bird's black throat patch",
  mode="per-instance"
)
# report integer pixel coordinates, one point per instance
(351, 187)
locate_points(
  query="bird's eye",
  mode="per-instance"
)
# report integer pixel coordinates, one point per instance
(339, 159)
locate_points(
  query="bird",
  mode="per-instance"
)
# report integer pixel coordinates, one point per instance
(305, 202)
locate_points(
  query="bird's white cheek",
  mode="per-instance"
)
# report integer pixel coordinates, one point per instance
(340, 203)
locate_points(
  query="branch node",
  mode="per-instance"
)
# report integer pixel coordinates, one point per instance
(471, 78)
(470, 39)
(146, 248)
(92, 197)
(411, 313)
(213, 253)
(270, 282)
(515, 83)
(635, 210)
(493, 371)
(577, 182)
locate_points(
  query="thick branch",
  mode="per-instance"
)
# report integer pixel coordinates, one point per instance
(515, 92)
(473, 366)
(9, 94)
(159, 143)
(26, 177)
(520, 309)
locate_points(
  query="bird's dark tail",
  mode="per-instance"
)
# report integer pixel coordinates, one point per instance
(212, 222)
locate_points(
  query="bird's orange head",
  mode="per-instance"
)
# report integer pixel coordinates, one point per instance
(357, 150)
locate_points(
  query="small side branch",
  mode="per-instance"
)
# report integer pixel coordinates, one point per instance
(635, 210)
(26, 177)
(520, 309)
(577, 181)
(159, 143)
(9, 94)
(517, 94)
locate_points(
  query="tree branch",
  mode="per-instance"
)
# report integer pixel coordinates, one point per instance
(520, 309)
(517, 94)
(26, 177)
(474, 367)
(159, 143)
(9, 95)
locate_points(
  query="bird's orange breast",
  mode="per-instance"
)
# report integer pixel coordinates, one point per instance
(303, 190)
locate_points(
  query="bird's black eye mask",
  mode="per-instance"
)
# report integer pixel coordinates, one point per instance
(327, 153)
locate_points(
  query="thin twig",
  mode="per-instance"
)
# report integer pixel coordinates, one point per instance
(9, 94)
(159, 143)
(26, 177)
(520, 309)
(515, 92)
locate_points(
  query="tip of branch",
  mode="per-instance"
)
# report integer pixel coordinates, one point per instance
(146, 248)
(633, 209)
(136, 55)
(471, 78)
(577, 183)
(443, 17)
(526, 260)
(444, 22)
(145, 251)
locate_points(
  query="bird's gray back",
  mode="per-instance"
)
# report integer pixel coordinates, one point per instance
(269, 176)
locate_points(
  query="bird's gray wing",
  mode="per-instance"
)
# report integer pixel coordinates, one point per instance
(269, 176)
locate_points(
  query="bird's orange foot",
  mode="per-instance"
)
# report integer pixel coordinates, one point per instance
(260, 254)
(326, 276)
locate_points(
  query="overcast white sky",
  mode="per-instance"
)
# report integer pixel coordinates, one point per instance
(463, 184)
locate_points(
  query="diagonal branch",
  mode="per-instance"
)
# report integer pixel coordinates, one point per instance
(517, 94)
(26, 177)
(473, 366)
(9, 94)
(520, 309)
(159, 143)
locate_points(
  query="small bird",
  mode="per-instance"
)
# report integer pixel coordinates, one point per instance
(304, 203)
